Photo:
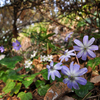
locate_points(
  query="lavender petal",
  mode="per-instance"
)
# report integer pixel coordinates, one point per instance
(69, 84)
(51, 64)
(77, 48)
(84, 56)
(66, 80)
(80, 54)
(52, 76)
(81, 80)
(49, 75)
(79, 43)
(48, 66)
(93, 47)
(85, 40)
(71, 67)
(57, 66)
(65, 70)
(90, 42)
(57, 74)
(66, 59)
(91, 53)
(75, 85)
(81, 72)
(76, 68)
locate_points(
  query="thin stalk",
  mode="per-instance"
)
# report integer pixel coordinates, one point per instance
(47, 49)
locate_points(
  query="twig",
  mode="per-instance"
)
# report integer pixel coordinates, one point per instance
(93, 96)
(77, 59)
(87, 94)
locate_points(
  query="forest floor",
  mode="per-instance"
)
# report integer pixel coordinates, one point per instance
(67, 94)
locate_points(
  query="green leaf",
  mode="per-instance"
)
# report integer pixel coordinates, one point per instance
(10, 62)
(9, 86)
(89, 86)
(96, 35)
(1, 96)
(4, 78)
(27, 83)
(45, 74)
(17, 70)
(44, 70)
(59, 79)
(43, 90)
(39, 83)
(25, 96)
(81, 93)
(49, 35)
(16, 77)
(81, 24)
(16, 89)
(13, 75)
(93, 62)
(1, 73)
(84, 89)
(31, 77)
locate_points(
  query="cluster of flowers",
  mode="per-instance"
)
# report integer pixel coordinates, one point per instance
(28, 64)
(16, 45)
(74, 72)
(34, 54)
(46, 58)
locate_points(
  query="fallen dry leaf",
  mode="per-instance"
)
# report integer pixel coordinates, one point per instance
(56, 58)
(89, 69)
(94, 73)
(95, 79)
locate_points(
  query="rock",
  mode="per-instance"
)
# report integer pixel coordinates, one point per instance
(66, 98)
(56, 90)
(25, 43)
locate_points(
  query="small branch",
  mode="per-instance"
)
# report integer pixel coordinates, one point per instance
(54, 20)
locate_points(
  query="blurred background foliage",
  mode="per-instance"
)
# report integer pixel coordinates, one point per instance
(39, 19)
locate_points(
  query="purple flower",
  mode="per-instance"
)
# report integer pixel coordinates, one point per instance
(68, 36)
(16, 45)
(67, 55)
(53, 70)
(1, 49)
(74, 74)
(85, 48)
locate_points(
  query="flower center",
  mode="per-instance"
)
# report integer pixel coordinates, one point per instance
(17, 44)
(66, 53)
(51, 68)
(29, 61)
(42, 58)
(48, 58)
(72, 78)
(85, 48)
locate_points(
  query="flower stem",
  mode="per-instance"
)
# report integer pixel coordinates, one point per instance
(47, 49)
(77, 59)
